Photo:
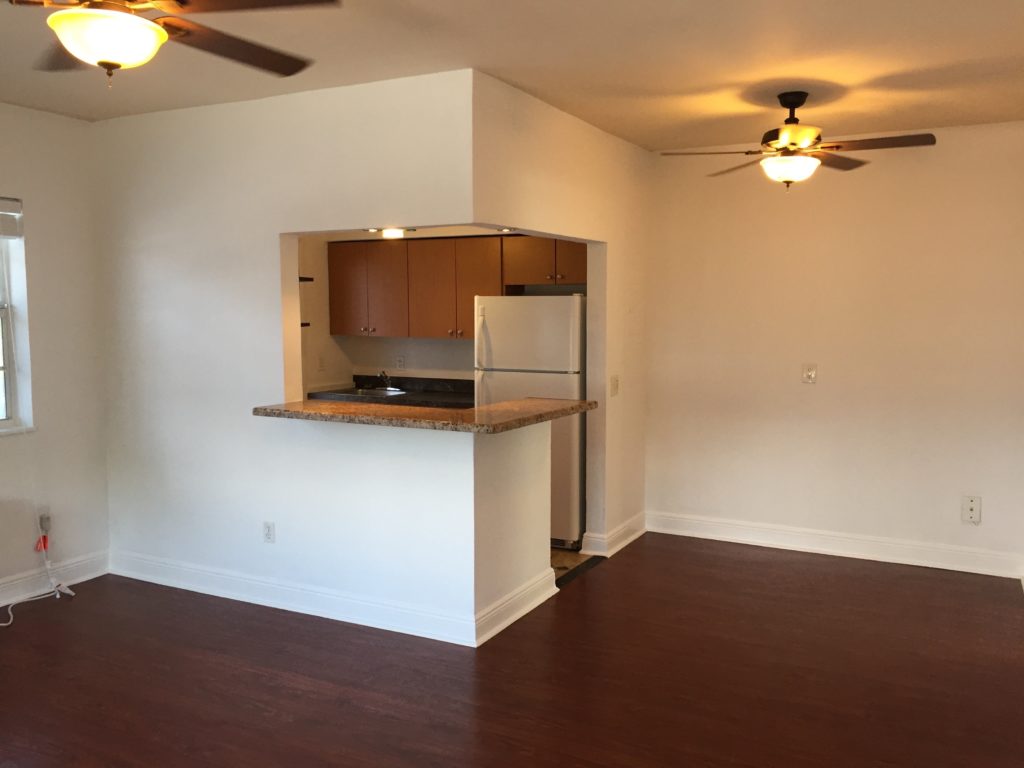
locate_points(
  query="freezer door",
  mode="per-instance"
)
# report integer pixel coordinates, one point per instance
(529, 333)
(566, 439)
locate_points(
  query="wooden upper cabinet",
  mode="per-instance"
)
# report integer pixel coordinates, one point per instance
(346, 270)
(477, 273)
(570, 262)
(387, 287)
(432, 288)
(368, 284)
(418, 287)
(543, 261)
(528, 261)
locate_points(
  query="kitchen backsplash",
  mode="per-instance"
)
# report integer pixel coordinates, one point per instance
(436, 358)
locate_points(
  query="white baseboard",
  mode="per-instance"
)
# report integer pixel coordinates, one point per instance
(607, 544)
(302, 598)
(499, 614)
(887, 550)
(35, 582)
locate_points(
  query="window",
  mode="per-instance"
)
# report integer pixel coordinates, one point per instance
(13, 328)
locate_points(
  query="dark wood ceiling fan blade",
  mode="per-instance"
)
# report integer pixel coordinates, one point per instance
(839, 162)
(216, 6)
(235, 48)
(50, 3)
(884, 142)
(735, 168)
(674, 153)
(57, 59)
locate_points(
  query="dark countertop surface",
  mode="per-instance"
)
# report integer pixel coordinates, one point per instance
(419, 391)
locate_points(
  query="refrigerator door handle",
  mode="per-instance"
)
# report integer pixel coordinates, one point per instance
(576, 335)
(478, 337)
(478, 388)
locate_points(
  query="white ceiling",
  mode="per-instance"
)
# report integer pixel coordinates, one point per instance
(661, 73)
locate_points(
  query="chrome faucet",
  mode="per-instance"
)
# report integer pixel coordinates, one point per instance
(385, 380)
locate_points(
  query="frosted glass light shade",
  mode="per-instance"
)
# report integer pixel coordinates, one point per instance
(789, 168)
(99, 37)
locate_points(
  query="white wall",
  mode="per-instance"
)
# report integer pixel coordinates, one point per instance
(903, 282)
(539, 169)
(61, 466)
(199, 198)
(512, 530)
(324, 362)
(431, 358)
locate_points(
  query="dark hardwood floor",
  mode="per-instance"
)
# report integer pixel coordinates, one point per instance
(676, 652)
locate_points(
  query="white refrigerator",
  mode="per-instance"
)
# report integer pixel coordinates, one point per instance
(533, 346)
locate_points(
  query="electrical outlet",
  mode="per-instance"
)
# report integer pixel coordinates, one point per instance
(269, 533)
(810, 373)
(44, 523)
(970, 510)
(613, 386)
(400, 362)
(321, 364)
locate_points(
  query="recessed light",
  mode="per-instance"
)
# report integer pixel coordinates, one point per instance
(392, 233)
(373, 229)
(504, 229)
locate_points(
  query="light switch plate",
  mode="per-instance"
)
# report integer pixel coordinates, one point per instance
(613, 386)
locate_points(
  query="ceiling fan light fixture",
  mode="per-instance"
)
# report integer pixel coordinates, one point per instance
(108, 39)
(796, 136)
(789, 168)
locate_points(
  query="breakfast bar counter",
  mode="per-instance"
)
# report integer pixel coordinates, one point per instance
(487, 419)
(451, 512)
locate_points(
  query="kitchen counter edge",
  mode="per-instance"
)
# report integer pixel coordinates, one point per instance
(487, 419)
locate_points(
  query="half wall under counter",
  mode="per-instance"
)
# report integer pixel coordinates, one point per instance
(465, 494)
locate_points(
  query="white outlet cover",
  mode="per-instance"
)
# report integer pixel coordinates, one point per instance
(810, 373)
(970, 510)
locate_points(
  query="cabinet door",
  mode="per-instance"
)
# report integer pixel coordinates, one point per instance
(528, 261)
(477, 273)
(387, 287)
(570, 262)
(346, 283)
(432, 288)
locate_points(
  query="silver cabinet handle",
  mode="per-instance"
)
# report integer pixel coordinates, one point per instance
(560, 277)
(459, 334)
(549, 277)
(364, 329)
(451, 332)
(373, 330)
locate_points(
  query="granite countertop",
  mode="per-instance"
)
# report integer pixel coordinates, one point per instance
(487, 419)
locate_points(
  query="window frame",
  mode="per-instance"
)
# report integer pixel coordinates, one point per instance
(6, 352)
(15, 364)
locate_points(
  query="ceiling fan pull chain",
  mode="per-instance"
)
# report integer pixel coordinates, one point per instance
(110, 67)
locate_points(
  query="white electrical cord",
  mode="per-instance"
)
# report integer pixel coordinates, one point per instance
(10, 608)
(56, 589)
